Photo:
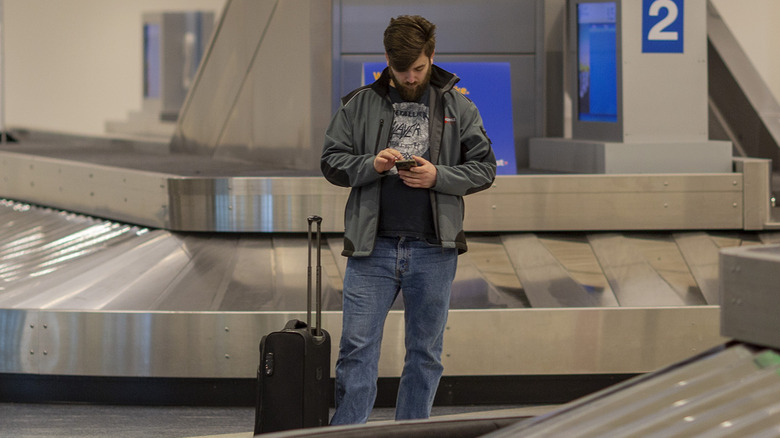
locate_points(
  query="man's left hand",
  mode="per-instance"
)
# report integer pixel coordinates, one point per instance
(422, 176)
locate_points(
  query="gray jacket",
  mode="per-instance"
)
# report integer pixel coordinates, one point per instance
(459, 148)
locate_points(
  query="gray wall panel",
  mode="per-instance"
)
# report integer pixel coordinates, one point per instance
(463, 26)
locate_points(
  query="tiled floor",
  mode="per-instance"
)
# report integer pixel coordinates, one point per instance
(80, 420)
(83, 420)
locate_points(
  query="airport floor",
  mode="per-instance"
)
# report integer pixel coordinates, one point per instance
(24, 420)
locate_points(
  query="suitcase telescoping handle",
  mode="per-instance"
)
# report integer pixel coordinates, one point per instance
(316, 331)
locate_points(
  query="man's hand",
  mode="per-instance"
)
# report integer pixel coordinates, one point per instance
(422, 176)
(385, 160)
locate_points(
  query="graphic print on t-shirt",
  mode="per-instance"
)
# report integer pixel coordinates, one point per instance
(410, 129)
(404, 210)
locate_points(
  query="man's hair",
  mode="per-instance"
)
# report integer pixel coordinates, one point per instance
(406, 38)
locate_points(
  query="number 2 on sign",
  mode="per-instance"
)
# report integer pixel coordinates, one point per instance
(659, 32)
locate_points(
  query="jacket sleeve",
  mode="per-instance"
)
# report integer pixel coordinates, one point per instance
(477, 168)
(344, 161)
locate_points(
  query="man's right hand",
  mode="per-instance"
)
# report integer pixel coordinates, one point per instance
(385, 160)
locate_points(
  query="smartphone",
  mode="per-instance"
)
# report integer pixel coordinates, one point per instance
(405, 164)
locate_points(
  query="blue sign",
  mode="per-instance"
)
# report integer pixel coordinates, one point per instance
(488, 85)
(662, 26)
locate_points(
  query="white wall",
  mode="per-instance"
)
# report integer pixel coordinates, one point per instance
(71, 65)
(754, 24)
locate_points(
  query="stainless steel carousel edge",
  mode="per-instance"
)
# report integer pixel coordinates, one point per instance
(477, 342)
(738, 200)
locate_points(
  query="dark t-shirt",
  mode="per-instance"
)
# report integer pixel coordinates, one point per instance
(403, 210)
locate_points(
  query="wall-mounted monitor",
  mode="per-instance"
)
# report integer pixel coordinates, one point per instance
(152, 66)
(594, 69)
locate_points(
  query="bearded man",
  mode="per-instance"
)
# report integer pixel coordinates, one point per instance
(403, 223)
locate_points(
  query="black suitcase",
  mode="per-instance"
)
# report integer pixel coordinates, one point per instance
(293, 379)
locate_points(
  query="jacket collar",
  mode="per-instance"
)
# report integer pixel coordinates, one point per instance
(440, 78)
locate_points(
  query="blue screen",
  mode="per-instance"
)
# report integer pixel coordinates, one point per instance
(488, 85)
(152, 60)
(597, 98)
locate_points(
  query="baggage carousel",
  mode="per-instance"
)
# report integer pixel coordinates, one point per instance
(118, 259)
(166, 261)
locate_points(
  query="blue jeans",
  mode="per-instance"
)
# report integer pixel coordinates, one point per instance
(424, 273)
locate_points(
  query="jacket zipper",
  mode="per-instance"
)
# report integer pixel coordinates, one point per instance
(379, 135)
(378, 189)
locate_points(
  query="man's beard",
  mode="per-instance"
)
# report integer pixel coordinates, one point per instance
(415, 92)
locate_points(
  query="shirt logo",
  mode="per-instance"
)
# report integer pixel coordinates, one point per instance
(410, 129)
(449, 120)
